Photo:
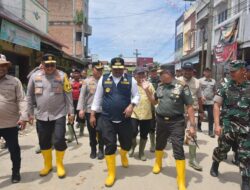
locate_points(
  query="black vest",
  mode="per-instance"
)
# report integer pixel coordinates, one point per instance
(116, 98)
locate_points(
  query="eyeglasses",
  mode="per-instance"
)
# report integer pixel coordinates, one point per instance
(50, 65)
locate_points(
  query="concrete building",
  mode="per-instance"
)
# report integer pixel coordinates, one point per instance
(68, 22)
(179, 41)
(231, 32)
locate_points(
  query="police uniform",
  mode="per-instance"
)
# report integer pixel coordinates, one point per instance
(170, 122)
(85, 101)
(155, 82)
(114, 95)
(235, 116)
(13, 108)
(52, 97)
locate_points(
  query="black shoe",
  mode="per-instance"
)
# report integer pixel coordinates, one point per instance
(245, 183)
(100, 155)
(15, 178)
(235, 160)
(93, 154)
(214, 169)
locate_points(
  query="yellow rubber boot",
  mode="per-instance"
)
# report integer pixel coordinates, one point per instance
(110, 160)
(181, 174)
(47, 156)
(124, 158)
(59, 164)
(158, 161)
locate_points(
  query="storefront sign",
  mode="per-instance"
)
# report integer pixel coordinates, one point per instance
(17, 35)
(223, 53)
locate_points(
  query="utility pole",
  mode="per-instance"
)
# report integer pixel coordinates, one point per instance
(136, 53)
(83, 30)
(209, 34)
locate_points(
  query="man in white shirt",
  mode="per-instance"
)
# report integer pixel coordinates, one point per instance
(116, 94)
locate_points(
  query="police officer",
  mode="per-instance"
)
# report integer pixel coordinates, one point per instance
(154, 79)
(50, 90)
(116, 94)
(13, 112)
(234, 98)
(194, 86)
(84, 106)
(171, 97)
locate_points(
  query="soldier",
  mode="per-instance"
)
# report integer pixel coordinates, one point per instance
(195, 89)
(142, 114)
(13, 112)
(84, 107)
(117, 95)
(50, 90)
(171, 97)
(234, 98)
(154, 79)
(208, 88)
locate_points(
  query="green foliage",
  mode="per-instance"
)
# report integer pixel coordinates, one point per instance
(78, 20)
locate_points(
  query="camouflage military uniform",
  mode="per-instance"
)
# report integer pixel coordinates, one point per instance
(235, 118)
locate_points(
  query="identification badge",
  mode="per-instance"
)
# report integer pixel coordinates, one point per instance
(38, 90)
(107, 90)
(108, 82)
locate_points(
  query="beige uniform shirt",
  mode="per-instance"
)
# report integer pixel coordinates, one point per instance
(50, 94)
(143, 110)
(194, 86)
(87, 94)
(13, 104)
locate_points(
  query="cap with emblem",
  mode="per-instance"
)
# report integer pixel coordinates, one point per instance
(166, 68)
(117, 63)
(236, 65)
(187, 65)
(139, 70)
(3, 60)
(49, 58)
(97, 65)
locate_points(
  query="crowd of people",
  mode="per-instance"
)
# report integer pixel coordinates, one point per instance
(158, 103)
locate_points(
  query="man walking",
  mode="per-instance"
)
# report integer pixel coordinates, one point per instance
(234, 99)
(208, 88)
(13, 114)
(84, 106)
(116, 94)
(50, 90)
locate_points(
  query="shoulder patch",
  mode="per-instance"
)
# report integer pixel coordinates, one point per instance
(66, 84)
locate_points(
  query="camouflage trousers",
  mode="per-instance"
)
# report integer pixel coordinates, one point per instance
(226, 141)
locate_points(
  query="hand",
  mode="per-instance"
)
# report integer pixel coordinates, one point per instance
(203, 100)
(145, 85)
(71, 118)
(192, 131)
(202, 116)
(31, 119)
(218, 130)
(81, 114)
(128, 111)
(92, 120)
(22, 124)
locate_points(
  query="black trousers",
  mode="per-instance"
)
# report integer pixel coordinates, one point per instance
(209, 109)
(93, 140)
(143, 125)
(46, 129)
(176, 131)
(153, 122)
(11, 137)
(110, 130)
(78, 119)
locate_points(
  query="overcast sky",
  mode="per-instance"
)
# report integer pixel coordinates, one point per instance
(121, 26)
